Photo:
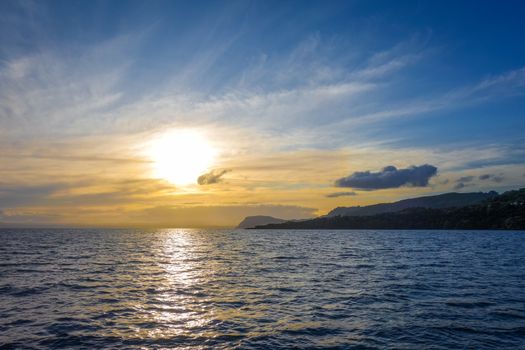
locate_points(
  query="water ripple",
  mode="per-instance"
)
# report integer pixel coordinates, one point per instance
(212, 289)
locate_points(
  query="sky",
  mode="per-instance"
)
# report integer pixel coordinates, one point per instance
(282, 108)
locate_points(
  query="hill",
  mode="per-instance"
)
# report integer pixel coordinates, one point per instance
(252, 221)
(501, 212)
(447, 200)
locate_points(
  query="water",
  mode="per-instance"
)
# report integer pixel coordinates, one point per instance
(204, 289)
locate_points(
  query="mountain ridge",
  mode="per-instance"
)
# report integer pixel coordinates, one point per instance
(502, 212)
(445, 200)
(440, 201)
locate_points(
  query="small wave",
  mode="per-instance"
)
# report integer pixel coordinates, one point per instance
(313, 331)
(287, 258)
(25, 291)
(366, 289)
(509, 314)
(469, 304)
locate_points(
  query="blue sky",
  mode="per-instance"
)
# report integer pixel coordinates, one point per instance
(391, 82)
(441, 47)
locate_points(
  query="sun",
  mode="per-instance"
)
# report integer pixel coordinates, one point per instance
(181, 156)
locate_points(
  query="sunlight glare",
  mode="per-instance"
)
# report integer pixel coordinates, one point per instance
(181, 156)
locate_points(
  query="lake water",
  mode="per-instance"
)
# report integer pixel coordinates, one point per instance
(177, 288)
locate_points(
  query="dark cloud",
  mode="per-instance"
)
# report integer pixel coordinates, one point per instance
(460, 185)
(212, 177)
(389, 177)
(340, 194)
(465, 179)
(463, 182)
(492, 177)
(497, 178)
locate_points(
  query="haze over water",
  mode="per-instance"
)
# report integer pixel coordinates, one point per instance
(178, 288)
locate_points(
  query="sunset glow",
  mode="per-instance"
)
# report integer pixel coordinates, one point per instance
(198, 116)
(181, 156)
(262, 174)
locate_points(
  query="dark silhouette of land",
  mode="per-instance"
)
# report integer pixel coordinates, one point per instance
(258, 220)
(446, 200)
(497, 212)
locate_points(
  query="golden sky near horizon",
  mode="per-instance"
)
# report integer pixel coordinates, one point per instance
(177, 116)
(115, 180)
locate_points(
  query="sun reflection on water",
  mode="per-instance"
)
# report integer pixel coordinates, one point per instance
(179, 301)
(189, 285)
(174, 305)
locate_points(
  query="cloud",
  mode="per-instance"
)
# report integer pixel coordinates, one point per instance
(492, 177)
(340, 194)
(23, 194)
(389, 177)
(272, 109)
(465, 179)
(507, 84)
(212, 177)
(463, 182)
(45, 89)
(460, 185)
(65, 196)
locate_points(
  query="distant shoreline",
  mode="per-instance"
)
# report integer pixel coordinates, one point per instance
(500, 212)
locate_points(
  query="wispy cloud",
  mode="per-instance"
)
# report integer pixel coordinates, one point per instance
(341, 194)
(74, 119)
(505, 85)
(52, 91)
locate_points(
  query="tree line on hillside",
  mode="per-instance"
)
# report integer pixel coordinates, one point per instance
(502, 212)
